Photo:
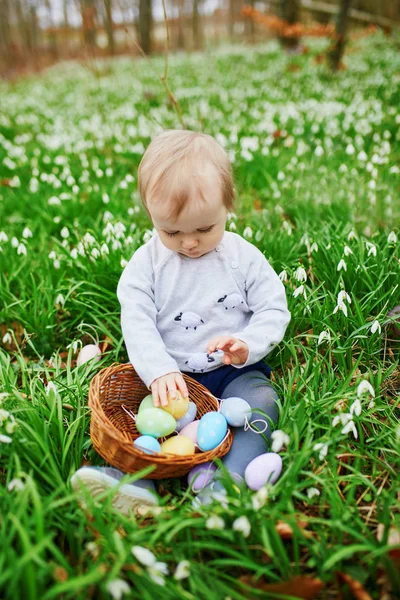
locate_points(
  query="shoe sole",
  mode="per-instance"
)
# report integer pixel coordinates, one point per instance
(128, 499)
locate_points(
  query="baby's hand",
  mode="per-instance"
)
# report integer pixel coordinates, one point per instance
(235, 351)
(167, 383)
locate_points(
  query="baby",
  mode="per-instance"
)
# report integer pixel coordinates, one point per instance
(197, 299)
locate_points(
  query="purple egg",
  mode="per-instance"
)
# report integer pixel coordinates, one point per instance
(263, 469)
(201, 475)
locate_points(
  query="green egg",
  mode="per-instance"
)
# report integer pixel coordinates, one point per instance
(147, 402)
(155, 422)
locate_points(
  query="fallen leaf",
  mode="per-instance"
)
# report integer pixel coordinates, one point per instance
(286, 531)
(60, 574)
(357, 589)
(301, 586)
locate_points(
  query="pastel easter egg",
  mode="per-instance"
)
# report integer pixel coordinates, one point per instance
(188, 418)
(147, 443)
(147, 402)
(190, 431)
(235, 411)
(263, 469)
(212, 430)
(87, 353)
(178, 444)
(155, 422)
(178, 406)
(201, 475)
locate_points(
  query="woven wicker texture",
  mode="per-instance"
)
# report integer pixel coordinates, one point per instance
(118, 389)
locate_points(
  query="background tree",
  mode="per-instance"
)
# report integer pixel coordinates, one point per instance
(145, 25)
(335, 55)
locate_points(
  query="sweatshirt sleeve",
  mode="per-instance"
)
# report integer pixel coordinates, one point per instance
(145, 347)
(266, 298)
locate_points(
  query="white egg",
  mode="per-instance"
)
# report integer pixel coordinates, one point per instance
(87, 353)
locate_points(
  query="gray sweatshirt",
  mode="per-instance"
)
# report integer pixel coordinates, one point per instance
(173, 305)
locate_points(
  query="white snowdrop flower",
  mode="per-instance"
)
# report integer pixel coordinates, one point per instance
(89, 239)
(394, 170)
(281, 176)
(342, 265)
(15, 182)
(314, 247)
(27, 233)
(260, 498)
(350, 149)
(81, 249)
(14, 242)
(392, 238)
(106, 198)
(343, 295)
(4, 415)
(340, 306)
(287, 227)
(51, 387)
(300, 274)
(323, 450)
(362, 156)
(95, 252)
(7, 339)
(123, 263)
(352, 235)
(107, 216)
(21, 249)
(342, 418)
(64, 233)
(15, 484)
(5, 439)
(52, 255)
(343, 168)
(74, 253)
(118, 588)
(372, 250)
(283, 276)
(11, 425)
(116, 245)
(109, 171)
(319, 151)
(232, 226)
(371, 404)
(144, 556)
(182, 570)
(60, 300)
(157, 572)
(312, 491)
(350, 427)
(347, 251)
(248, 233)
(375, 327)
(104, 249)
(123, 185)
(3, 236)
(215, 522)
(54, 201)
(56, 264)
(355, 408)
(365, 387)
(279, 439)
(147, 235)
(300, 290)
(242, 524)
(324, 336)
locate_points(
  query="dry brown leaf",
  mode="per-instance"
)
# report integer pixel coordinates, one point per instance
(357, 589)
(301, 586)
(60, 574)
(286, 531)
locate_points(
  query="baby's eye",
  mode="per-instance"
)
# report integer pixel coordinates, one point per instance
(200, 230)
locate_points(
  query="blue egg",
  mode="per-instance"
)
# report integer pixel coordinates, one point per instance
(235, 411)
(147, 443)
(212, 430)
(188, 418)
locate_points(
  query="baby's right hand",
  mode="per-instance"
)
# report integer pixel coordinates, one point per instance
(167, 383)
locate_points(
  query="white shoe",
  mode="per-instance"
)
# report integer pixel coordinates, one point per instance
(134, 497)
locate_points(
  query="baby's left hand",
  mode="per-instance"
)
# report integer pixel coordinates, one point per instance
(235, 351)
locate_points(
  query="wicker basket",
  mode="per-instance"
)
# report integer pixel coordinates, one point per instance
(112, 429)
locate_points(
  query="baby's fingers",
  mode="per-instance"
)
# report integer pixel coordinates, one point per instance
(156, 399)
(182, 386)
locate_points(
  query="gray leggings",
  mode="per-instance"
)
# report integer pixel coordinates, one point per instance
(257, 390)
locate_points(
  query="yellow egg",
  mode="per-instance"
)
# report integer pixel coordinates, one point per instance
(179, 444)
(178, 406)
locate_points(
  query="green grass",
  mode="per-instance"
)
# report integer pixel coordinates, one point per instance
(76, 135)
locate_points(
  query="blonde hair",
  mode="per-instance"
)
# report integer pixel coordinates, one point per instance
(172, 164)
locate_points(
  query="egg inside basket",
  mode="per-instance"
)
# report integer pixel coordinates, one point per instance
(117, 391)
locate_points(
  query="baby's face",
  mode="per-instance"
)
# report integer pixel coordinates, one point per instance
(199, 228)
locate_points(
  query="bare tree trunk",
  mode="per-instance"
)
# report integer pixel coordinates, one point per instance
(6, 51)
(145, 25)
(110, 26)
(250, 29)
(231, 18)
(88, 9)
(335, 55)
(196, 23)
(181, 21)
(52, 35)
(290, 12)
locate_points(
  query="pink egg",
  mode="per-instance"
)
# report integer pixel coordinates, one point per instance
(190, 431)
(201, 475)
(263, 469)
